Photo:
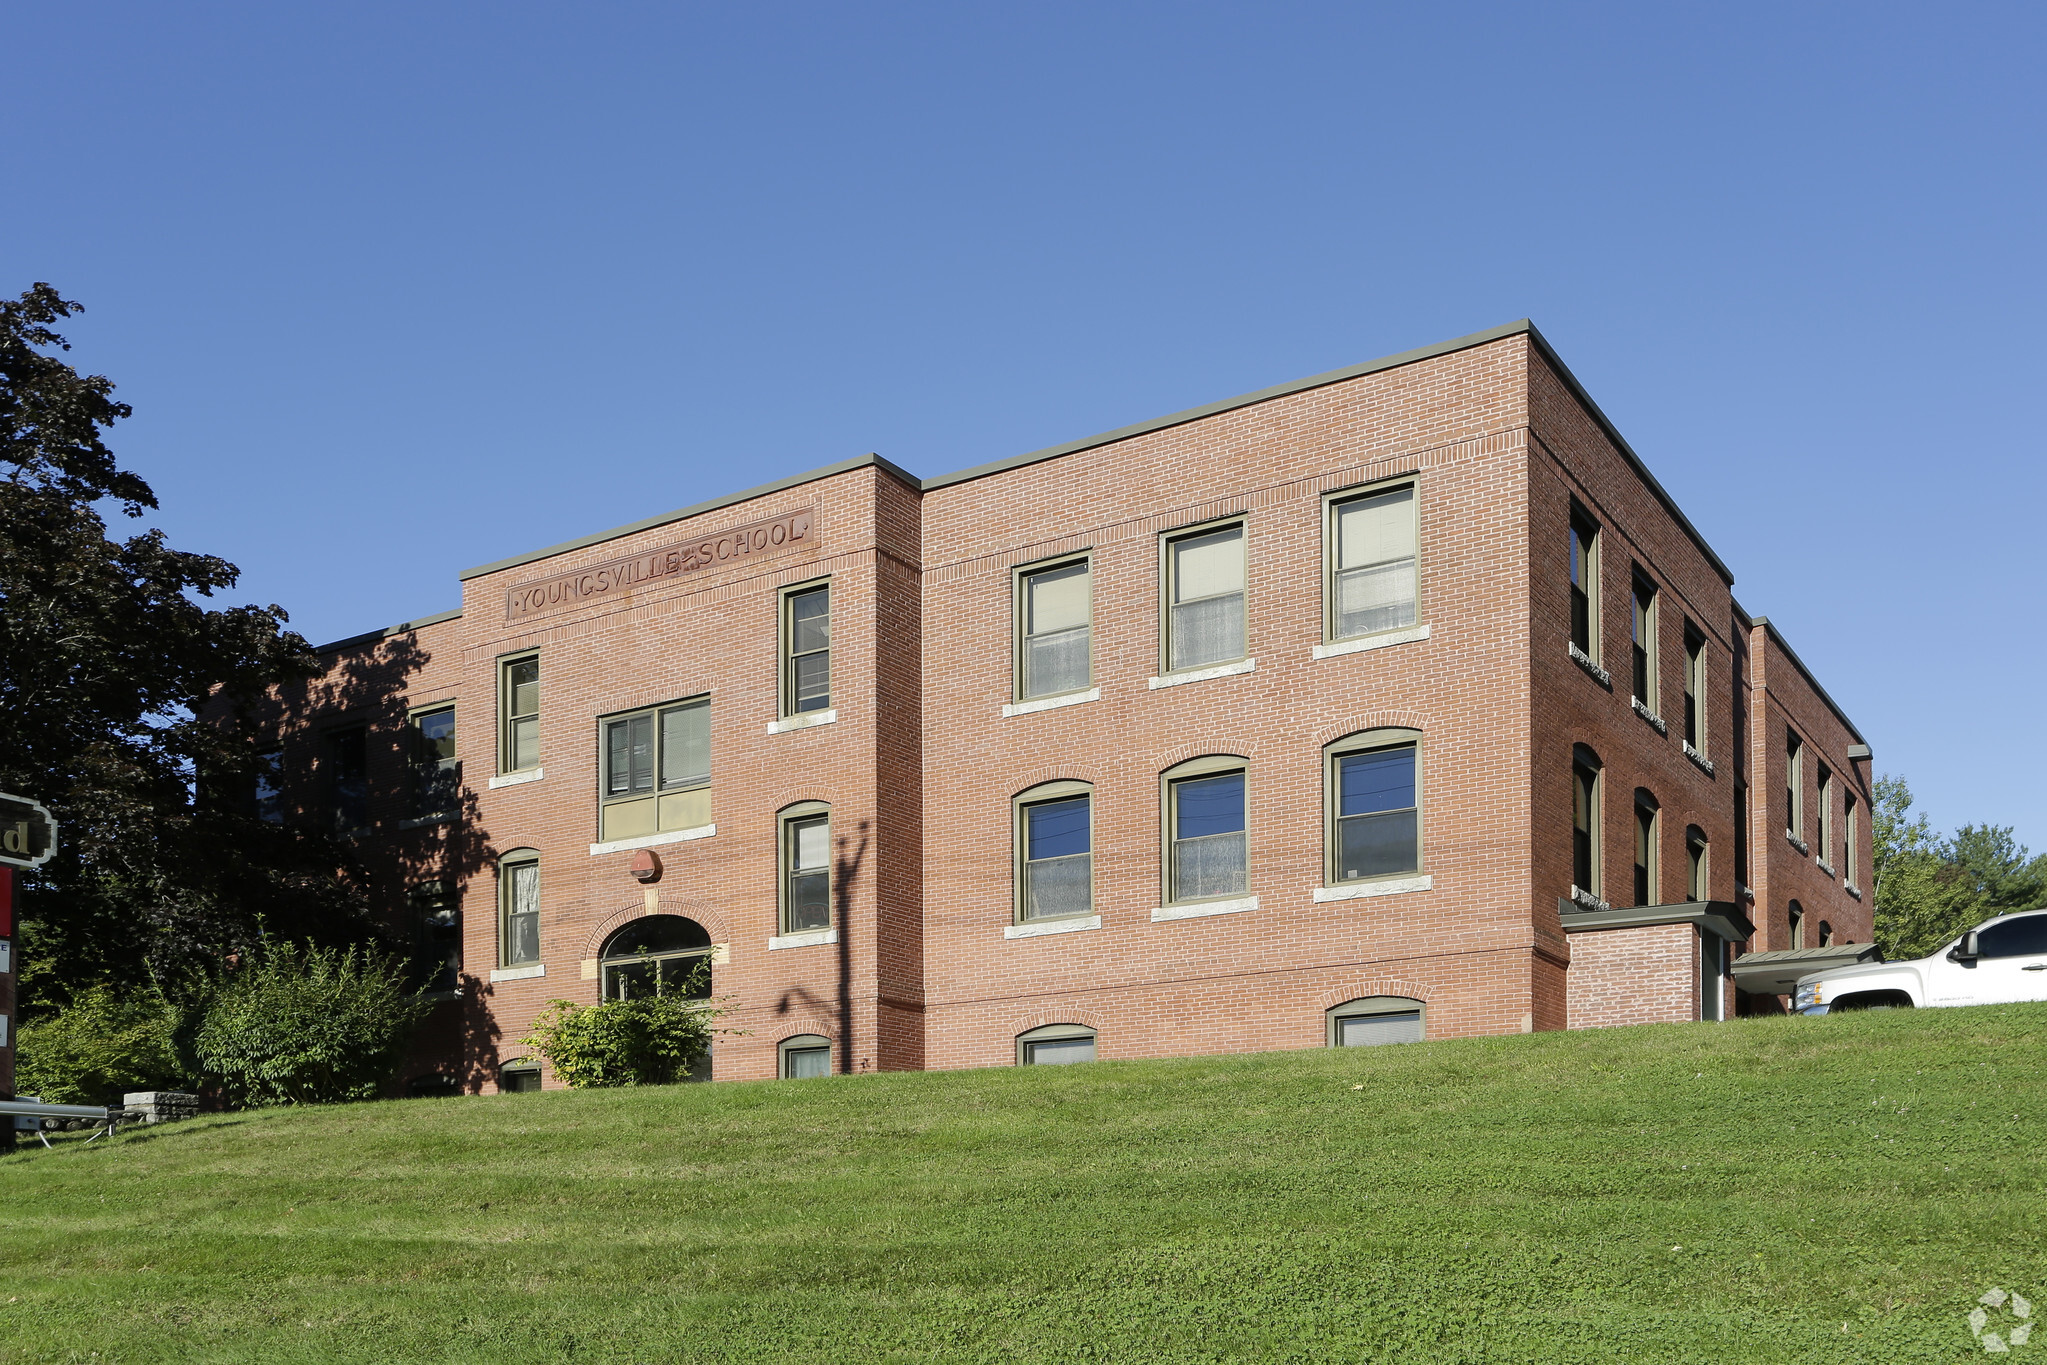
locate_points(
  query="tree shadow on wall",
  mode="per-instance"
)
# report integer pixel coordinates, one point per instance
(846, 873)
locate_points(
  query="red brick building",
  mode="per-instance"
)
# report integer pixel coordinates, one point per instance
(1400, 701)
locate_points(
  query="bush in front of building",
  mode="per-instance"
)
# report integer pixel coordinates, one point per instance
(651, 1041)
(308, 1025)
(99, 1047)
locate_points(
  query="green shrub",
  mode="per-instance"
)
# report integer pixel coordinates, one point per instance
(296, 1025)
(624, 1042)
(98, 1048)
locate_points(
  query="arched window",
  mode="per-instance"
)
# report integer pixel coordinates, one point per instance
(1648, 828)
(806, 881)
(1372, 826)
(1376, 1019)
(1826, 934)
(1206, 853)
(1796, 919)
(1697, 884)
(656, 955)
(1585, 774)
(804, 1056)
(1055, 1045)
(519, 908)
(1054, 841)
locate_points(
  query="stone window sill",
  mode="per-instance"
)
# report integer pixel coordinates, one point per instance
(1584, 661)
(446, 817)
(1198, 909)
(1039, 928)
(1192, 675)
(1380, 641)
(1801, 845)
(1026, 708)
(1823, 865)
(525, 973)
(1391, 886)
(809, 938)
(1586, 900)
(802, 722)
(673, 836)
(1704, 763)
(1656, 722)
(517, 779)
(1853, 889)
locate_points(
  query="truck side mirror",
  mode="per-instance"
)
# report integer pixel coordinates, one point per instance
(1966, 952)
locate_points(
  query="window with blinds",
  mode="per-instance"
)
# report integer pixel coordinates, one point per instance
(656, 770)
(519, 910)
(1205, 596)
(519, 713)
(1373, 584)
(1054, 610)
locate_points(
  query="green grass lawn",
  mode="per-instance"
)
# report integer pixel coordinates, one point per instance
(1836, 1189)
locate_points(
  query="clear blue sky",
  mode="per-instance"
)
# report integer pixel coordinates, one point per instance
(396, 290)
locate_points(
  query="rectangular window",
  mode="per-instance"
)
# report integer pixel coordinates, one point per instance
(1645, 854)
(440, 937)
(1377, 813)
(1372, 583)
(519, 898)
(1644, 644)
(1695, 689)
(807, 650)
(1209, 857)
(1848, 841)
(1825, 800)
(1794, 787)
(656, 770)
(1058, 859)
(1585, 828)
(436, 773)
(806, 873)
(1205, 592)
(519, 705)
(348, 788)
(1054, 607)
(1585, 586)
(269, 786)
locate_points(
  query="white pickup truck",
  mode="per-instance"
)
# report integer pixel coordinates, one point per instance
(2000, 961)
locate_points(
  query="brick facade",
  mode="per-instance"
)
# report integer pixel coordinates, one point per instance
(926, 752)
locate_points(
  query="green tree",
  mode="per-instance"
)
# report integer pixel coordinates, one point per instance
(107, 652)
(99, 1047)
(292, 1025)
(1928, 889)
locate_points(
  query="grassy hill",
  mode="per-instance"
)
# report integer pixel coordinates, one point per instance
(1776, 1190)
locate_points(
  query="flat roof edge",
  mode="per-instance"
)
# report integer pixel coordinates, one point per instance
(694, 510)
(1242, 400)
(371, 637)
(1662, 495)
(1811, 681)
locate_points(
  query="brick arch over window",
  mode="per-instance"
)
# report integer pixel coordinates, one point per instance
(1063, 773)
(787, 1026)
(1371, 720)
(1085, 1018)
(1180, 753)
(703, 912)
(1369, 986)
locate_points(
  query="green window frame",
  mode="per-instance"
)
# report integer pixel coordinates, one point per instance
(1054, 614)
(1375, 1021)
(1205, 603)
(1695, 689)
(1849, 814)
(804, 1057)
(1372, 560)
(1587, 782)
(1698, 865)
(1642, 646)
(1205, 803)
(519, 713)
(805, 880)
(1057, 1045)
(654, 769)
(1823, 801)
(1584, 583)
(1794, 786)
(1373, 804)
(1053, 838)
(1648, 848)
(436, 771)
(519, 908)
(806, 634)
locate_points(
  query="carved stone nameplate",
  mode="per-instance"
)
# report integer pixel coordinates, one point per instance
(776, 534)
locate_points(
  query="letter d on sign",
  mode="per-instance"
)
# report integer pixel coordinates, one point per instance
(15, 841)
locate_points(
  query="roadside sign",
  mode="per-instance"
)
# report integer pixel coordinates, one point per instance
(28, 834)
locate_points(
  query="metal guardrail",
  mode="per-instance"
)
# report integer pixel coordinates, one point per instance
(36, 1109)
